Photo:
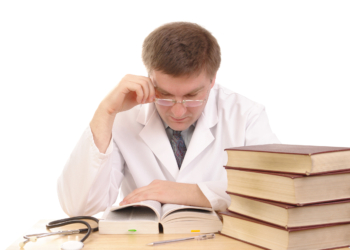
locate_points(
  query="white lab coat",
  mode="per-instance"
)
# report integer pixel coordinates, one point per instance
(140, 152)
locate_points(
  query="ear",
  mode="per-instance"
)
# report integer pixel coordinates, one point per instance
(213, 81)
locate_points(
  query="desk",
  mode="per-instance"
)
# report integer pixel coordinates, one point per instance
(114, 242)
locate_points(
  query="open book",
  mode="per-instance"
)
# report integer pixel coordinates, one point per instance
(144, 218)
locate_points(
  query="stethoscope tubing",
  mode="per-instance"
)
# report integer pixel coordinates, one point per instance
(73, 220)
(63, 222)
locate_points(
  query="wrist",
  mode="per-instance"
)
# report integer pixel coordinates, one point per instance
(102, 119)
(107, 110)
(101, 127)
(196, 197)
(112, 104)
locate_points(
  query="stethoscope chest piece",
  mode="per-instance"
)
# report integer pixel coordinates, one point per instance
(72, 245)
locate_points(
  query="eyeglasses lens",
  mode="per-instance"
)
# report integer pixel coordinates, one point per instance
(189, 103)
(165, 102)
(193, 103)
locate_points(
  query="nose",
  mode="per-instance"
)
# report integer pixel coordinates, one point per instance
(178, 110)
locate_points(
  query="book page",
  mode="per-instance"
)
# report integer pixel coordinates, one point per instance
(132, 214)
(168, 208)
(154, 205)
(190, 215)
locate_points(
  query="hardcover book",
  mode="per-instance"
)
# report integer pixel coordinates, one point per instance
(291, 216)
(289, 188)
(279, 238)
(299, 159)
(144, 218)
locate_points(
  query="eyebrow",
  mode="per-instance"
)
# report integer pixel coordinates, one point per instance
(192, 92)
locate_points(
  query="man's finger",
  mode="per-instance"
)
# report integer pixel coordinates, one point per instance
(134, 86)
(152, 93)
(139, 197)
(147, 87)
(146, 90)
(130, 196)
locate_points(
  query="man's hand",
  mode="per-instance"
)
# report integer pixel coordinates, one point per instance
(169, 192)
(131, 91)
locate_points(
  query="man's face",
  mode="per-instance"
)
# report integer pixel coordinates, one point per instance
(179, 117)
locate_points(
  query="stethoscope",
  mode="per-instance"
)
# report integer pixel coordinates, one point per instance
(69, 245)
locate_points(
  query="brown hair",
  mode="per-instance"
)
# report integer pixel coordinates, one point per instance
(181, 49)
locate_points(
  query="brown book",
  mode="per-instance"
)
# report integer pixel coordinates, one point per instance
(289, 188)
(291, 216)
(279, 238)
(286, 158)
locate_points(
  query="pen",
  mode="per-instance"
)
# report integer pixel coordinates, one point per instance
(199, 237)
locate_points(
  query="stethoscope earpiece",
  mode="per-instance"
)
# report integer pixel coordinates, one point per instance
(72, 245)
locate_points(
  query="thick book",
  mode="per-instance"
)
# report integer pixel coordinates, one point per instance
(279, 238)
(289, 188)
(145, 218)
(291, 216)
(300, 159)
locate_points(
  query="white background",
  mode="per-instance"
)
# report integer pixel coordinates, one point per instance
(58, 59)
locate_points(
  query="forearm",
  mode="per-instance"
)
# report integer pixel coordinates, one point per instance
(195, 197)
(131, 91)
(101, 127)
(215, 192)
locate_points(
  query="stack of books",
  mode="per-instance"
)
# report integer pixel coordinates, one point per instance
(289, 196)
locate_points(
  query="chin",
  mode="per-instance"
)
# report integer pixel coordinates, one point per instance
(179, 126)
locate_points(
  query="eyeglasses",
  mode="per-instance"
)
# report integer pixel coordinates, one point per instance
(186, 103)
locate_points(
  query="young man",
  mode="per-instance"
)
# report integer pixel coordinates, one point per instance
(163, 137)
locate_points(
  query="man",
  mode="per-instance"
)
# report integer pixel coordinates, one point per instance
(162, 137)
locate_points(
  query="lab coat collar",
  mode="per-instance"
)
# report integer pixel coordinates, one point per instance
(154, 134)
(210, 111)
(202, 135)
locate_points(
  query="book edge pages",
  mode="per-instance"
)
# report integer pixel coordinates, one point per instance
(181, 208)
(243, 217)
(289, 174)
(141, 203)
(290, 206)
